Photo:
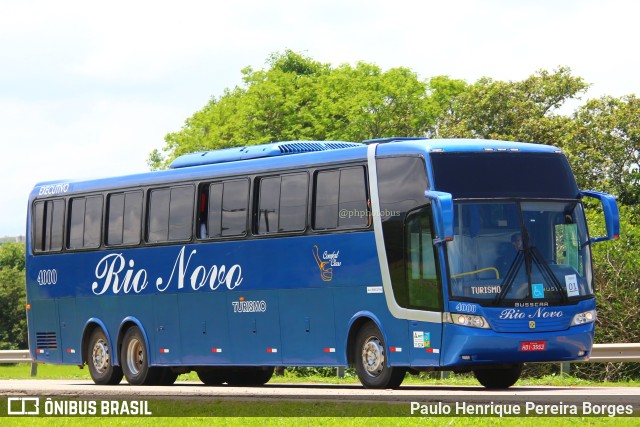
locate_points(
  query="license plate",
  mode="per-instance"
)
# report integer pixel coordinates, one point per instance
(533, 346)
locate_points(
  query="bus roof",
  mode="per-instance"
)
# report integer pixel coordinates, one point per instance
(282, 155)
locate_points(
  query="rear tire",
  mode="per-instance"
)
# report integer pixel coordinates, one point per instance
(371, 361)
(250, 376)
(100, 361)
(212, 375)
(134, 359)
(499, 378)
(165, 376)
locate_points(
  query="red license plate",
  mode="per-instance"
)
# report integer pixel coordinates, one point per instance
(533, 346)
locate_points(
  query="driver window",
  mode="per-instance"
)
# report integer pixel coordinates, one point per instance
(423, 286)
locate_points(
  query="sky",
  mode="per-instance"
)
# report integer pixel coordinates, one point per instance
(89, 89)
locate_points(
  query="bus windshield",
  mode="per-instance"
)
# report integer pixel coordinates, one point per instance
(520, 253)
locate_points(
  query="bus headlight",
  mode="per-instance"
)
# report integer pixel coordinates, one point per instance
(469, 320)
(584, 318)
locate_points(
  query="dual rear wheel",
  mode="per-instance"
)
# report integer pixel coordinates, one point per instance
(134, 361)
(100, 360)
(134, 358)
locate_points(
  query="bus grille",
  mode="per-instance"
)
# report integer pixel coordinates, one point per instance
(46, 340)
(524, 325)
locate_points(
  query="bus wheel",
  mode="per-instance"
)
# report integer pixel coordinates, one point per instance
(212, 375)
(165, 376)
(499, 378)
(134, 358)
(371, 362)
(100, 362)
(251, 375)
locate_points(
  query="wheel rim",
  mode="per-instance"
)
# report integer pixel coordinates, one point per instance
(135, 356)
(100, 356)
(373, 356)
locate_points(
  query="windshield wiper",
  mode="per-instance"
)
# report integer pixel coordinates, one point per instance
(547, 273)
(510, 277)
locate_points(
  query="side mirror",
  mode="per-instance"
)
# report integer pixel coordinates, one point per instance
(611, 214)
(442, 215)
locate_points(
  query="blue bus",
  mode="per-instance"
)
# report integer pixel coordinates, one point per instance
(392, 256)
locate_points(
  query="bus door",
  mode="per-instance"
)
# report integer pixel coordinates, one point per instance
(424, 287)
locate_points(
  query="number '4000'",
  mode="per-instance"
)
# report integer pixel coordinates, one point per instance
(47, 277)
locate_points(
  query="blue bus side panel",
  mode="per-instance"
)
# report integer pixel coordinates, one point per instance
(255, 335)
(166, 340)
(425, 343)
(358, 302)
(44, 331)
(204, 329)
(70, 331)
(308, 327)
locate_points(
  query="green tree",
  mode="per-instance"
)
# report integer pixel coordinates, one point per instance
(13, 322)
(298, 98)
(12, 255)
(519, 111)
(443, 92)
(605, 152)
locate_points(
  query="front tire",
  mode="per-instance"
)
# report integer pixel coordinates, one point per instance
(134, 359)
(100, 360)
(371, 360)
(499, 378)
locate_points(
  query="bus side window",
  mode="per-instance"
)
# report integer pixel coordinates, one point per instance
(202, 213)
(124, 218)
(235, 202)
(340, 199)
(85, 222)
(170, 216)
(47, 226)
(282, 205)
(215, 210)
(226, 209)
